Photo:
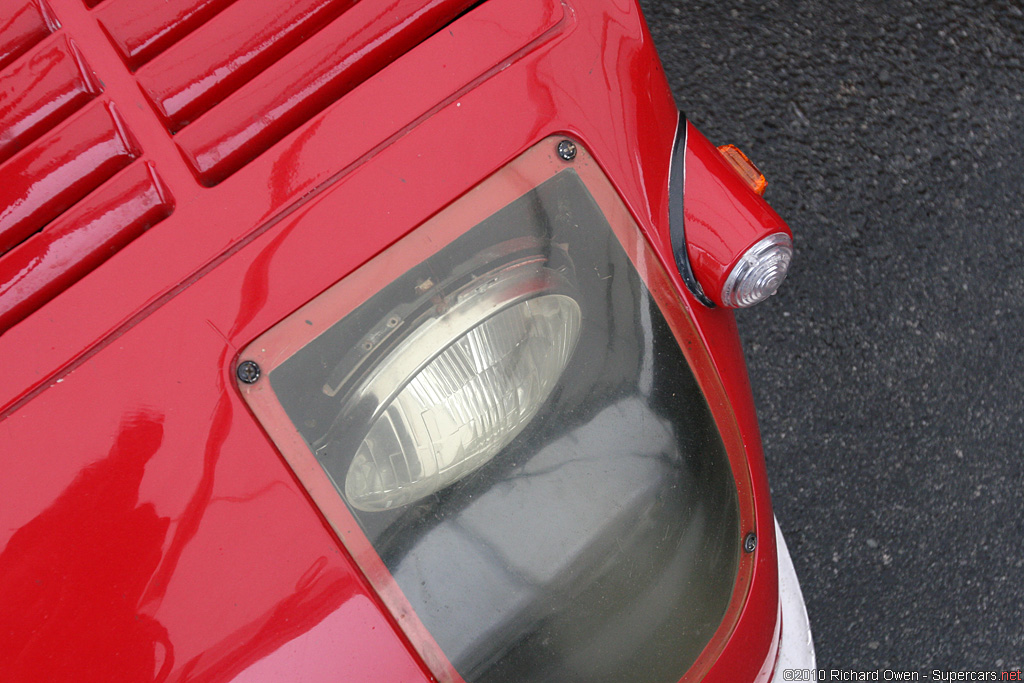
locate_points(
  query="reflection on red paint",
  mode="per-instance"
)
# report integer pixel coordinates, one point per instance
(343, 55)
(21, 28)
(58, 170)
(80, 240)
(82, 581)
(40, 91)
(321, 595)
(72, 578)
(141, 35)
(227, 51)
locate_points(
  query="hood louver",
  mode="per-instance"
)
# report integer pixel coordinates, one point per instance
(226, 80)
(230, 80)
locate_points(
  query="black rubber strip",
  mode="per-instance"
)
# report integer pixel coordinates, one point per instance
(676, 219)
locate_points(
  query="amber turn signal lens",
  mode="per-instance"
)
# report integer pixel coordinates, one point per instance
(745, 167)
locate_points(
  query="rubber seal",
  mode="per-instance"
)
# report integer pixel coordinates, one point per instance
(676, 216)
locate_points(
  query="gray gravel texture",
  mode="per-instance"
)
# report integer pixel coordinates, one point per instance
(887, 371)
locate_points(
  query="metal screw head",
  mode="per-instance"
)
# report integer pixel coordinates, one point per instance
(248, 372)
(567, 150)
(750, 542)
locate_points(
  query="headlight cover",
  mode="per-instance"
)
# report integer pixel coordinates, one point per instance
(498, 417)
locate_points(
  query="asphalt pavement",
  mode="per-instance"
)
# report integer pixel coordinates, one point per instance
(888, 370)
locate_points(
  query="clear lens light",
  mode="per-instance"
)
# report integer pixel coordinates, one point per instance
(760, 272)
(468, 403)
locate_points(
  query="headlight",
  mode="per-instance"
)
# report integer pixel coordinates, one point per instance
(503, 346)
(498, 417)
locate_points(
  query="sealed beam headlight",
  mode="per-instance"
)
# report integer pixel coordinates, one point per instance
(759, 272)
(461, 386)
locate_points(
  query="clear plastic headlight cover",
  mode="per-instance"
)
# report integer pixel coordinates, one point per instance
(498, 417)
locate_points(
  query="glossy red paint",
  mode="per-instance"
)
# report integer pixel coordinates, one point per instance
(304, 82)
(149, 526)
(724, 216)
(140, 36)
(48, 177)
(40, 92)
(213, 61)
(23, 23)
(76, 243)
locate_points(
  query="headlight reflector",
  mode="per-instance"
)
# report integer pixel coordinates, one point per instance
(468, 403)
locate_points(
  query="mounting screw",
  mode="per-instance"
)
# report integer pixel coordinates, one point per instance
(248, 372)
(567, 150)
(750, 542)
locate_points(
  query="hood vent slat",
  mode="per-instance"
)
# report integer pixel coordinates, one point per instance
(141, 36)
(22, 26)
(39, 91)
(232, 87)
(80, 240)
(51, 175)
(349, 51)
(236, 45)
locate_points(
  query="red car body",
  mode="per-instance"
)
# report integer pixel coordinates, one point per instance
(180, 177)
